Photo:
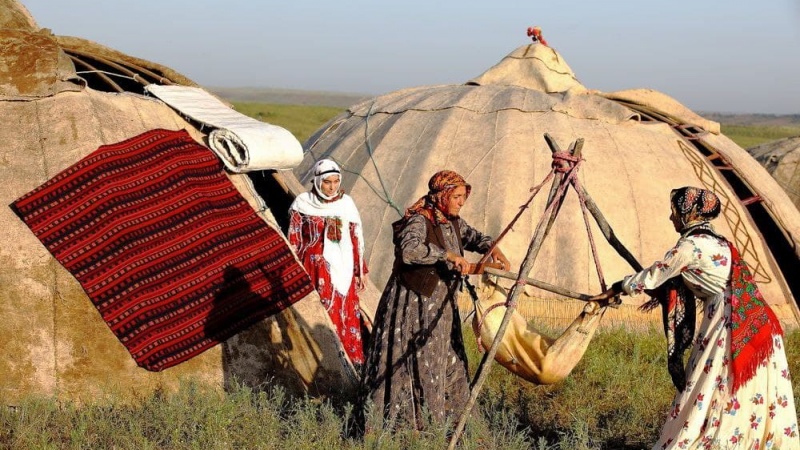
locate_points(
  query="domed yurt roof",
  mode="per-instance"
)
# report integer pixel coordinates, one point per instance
(637, 146)
(781, 158)
(60, 99)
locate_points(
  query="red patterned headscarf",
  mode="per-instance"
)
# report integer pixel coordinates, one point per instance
(434, 204)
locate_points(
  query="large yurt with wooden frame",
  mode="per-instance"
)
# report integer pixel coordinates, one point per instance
(781, 158)
(61, 98)
(636, 146)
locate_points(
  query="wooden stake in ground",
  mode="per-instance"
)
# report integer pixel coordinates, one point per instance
(557, 193)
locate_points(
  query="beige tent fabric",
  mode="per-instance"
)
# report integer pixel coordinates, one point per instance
(493, 98)
(493, 135)
(663, 105)
(781, 158)
(533, 66)
(52, 339)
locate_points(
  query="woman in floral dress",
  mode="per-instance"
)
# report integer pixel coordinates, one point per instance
(416, 365)
(735, 390)
(325, 230)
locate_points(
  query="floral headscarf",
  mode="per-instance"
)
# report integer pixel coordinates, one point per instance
(434, 204)
(692, 200)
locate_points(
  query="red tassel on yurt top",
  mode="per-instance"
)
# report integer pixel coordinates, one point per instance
(535, 33)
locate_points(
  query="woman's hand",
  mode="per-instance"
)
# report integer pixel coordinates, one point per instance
(461, 264)
(607, 294)
(498, 256)
(605, 298)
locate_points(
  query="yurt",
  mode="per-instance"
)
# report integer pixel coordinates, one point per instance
(781, 158)
(636, 145)
(61, 100)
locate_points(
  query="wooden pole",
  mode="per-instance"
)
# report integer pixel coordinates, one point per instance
(100, 74)
(607, 231)
(537, 283)
(527, 265)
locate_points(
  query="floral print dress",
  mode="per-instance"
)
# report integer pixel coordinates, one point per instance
(761, 414)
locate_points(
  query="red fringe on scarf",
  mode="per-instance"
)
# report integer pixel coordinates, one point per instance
(753, 324)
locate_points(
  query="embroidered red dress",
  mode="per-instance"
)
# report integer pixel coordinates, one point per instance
(328, 238)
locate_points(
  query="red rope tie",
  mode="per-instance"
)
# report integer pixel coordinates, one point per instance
(563, 162)
(751, 200)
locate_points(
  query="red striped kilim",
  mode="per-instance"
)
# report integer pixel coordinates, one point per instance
(166, 248)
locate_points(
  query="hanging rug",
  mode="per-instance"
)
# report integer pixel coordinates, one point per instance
(172, 256)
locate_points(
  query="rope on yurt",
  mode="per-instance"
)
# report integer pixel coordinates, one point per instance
(97, 71)
(100, 73)
(130, 74)
(75, 53)
(383, 196)
(386, 197)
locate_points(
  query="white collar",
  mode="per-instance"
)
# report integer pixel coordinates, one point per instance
(310, 204)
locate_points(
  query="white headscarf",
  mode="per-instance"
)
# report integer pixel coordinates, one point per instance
(322, 170)
(338, 254)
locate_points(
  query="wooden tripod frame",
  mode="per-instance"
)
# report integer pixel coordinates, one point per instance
(554, 202)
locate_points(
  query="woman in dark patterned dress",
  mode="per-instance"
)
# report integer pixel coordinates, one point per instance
(416, 363)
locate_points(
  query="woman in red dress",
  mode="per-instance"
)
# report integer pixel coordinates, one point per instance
(325, 230)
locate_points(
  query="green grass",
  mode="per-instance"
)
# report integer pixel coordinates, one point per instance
(750, 136)
(616, 398)
(302, 121)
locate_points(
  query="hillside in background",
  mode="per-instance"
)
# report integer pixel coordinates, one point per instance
(289, 96)
(761, 120)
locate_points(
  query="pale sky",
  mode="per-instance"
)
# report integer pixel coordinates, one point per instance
(736, 56)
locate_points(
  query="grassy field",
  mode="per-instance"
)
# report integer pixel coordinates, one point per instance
(616, 398)
(302, 121)
(749, 136)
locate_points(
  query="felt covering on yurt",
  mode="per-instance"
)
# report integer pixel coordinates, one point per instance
(53, 341)
(490, 130)
(781, 158)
